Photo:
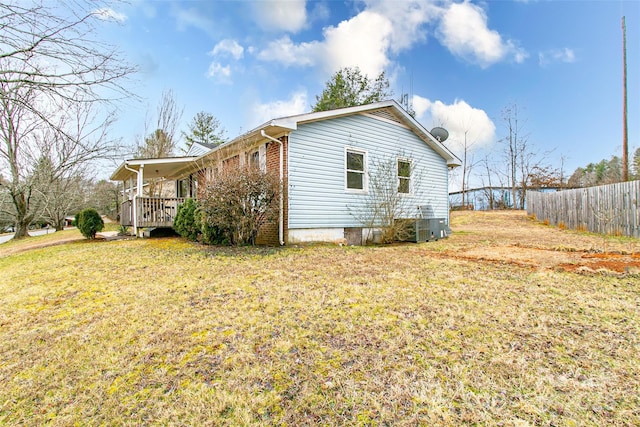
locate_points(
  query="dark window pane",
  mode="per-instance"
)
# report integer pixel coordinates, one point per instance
(355, 180)
(404, 169)
(355, 161)
(254, 159)
(403, 185)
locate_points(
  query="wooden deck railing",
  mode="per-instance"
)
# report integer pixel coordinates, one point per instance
(151, 211)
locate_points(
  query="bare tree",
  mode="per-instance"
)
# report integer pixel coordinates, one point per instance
(513, 149)
(57, 88)
(68, 141)
(105, 196)
(522, 159)
(239, 202)
(488, 185)
(49, 47)
(527, 165)
(62, 197)
(386, 206)
(468, 164)
(161, 142)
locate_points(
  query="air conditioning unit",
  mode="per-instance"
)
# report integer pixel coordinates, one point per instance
(427, 229)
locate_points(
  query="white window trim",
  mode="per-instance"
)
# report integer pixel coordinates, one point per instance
(365, 172)
(410, 161)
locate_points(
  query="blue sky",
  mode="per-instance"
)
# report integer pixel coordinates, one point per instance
(462, 63)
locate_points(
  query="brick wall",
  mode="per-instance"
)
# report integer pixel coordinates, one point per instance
(201, 177)
(232, 163)
(269, 233)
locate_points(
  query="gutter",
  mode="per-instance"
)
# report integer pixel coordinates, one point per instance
(281, 210)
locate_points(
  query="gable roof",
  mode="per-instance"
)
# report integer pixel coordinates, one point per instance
(198, 148)
(388, 110)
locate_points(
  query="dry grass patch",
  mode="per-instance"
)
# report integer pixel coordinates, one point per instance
(513, 238)
(166, 332)
(58, 238)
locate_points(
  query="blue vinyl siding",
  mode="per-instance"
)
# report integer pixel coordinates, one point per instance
(317, 194)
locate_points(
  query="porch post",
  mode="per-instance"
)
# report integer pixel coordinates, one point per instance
(135, 199)
(126, 195)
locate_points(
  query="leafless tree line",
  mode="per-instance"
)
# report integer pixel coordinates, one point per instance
(58, 89)
(517, 164)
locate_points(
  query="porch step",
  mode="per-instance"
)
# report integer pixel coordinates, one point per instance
(109, 235)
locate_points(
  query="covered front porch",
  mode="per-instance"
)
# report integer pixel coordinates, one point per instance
(150, 211)
(154, 189)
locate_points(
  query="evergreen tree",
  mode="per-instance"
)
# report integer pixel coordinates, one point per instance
(635, 165)
(349, 87)
(205, 129)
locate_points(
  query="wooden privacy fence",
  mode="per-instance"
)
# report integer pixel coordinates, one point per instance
(606, 209)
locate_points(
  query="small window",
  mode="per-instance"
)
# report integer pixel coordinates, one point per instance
(404, 176)
(182, 188)
(254, 159)
(355, 170)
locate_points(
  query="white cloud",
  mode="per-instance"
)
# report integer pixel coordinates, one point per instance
(421, 106)
(108, 14)
(288, 15)
(372, 38)
(224, 48)
(464, 31)
(320, 12)
(287, 53)
(366, 40)
(230, 47)
(458, 118)
(565, 55)
(220, 73)
(408, 19)
(296, 104)
(362, 41)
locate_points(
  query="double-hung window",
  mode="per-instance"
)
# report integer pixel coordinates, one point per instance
(355, 171)
(404, 176)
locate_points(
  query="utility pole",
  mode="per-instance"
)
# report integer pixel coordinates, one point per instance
(625, 135)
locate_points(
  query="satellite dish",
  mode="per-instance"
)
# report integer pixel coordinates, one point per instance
(441, 134)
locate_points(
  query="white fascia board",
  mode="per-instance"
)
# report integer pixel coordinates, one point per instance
(439, 147)
(330, 114)
(122, 172)
(160, 161)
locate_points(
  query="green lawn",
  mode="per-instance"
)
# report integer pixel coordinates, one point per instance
(164, 332)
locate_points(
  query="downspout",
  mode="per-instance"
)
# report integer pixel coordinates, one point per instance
(134, 207)
(281, 210)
